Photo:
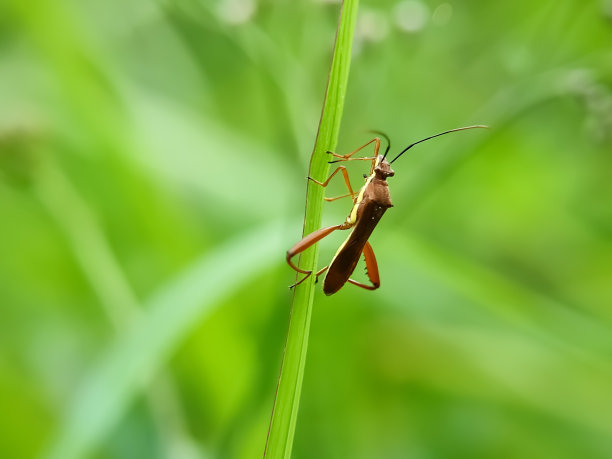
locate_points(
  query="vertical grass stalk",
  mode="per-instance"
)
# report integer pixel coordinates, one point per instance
(286, 404)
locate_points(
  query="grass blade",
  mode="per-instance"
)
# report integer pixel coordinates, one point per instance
(284, 413)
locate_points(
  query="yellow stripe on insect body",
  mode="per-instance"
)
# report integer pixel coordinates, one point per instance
(352, 218)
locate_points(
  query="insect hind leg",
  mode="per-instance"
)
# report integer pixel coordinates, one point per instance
(371, 269)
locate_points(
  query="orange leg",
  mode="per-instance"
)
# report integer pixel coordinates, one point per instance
(346, 180)
(339, 197)
(347, 157)
(308, 241)
(371, 268)
(321, 271)
(365, 158)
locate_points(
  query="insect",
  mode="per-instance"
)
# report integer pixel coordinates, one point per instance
(369, 205)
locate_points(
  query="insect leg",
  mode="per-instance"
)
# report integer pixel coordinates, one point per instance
(321, 271)
(339, 197)
(348, 155)
(308, 241)
(372, 269)
(346, 180)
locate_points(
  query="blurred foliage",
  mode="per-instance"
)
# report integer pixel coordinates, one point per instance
(152, 164)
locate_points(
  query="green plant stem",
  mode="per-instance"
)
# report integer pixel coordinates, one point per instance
(284, 413)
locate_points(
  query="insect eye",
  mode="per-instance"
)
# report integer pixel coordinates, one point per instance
(365, 175)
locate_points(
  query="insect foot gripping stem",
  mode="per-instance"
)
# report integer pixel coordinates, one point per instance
(305, 243)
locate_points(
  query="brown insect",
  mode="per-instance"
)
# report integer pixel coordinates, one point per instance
(369, 205)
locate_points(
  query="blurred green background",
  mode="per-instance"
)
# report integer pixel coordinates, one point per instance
(152, 174)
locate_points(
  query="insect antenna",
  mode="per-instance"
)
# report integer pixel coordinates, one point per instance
(386, 137)
(437, 135)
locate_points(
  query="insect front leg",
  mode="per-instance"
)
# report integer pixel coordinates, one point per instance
(339, 197)
(347, 157)
(346, 180)
(305, 243)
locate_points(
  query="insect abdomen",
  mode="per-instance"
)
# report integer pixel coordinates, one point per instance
(344, 262)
